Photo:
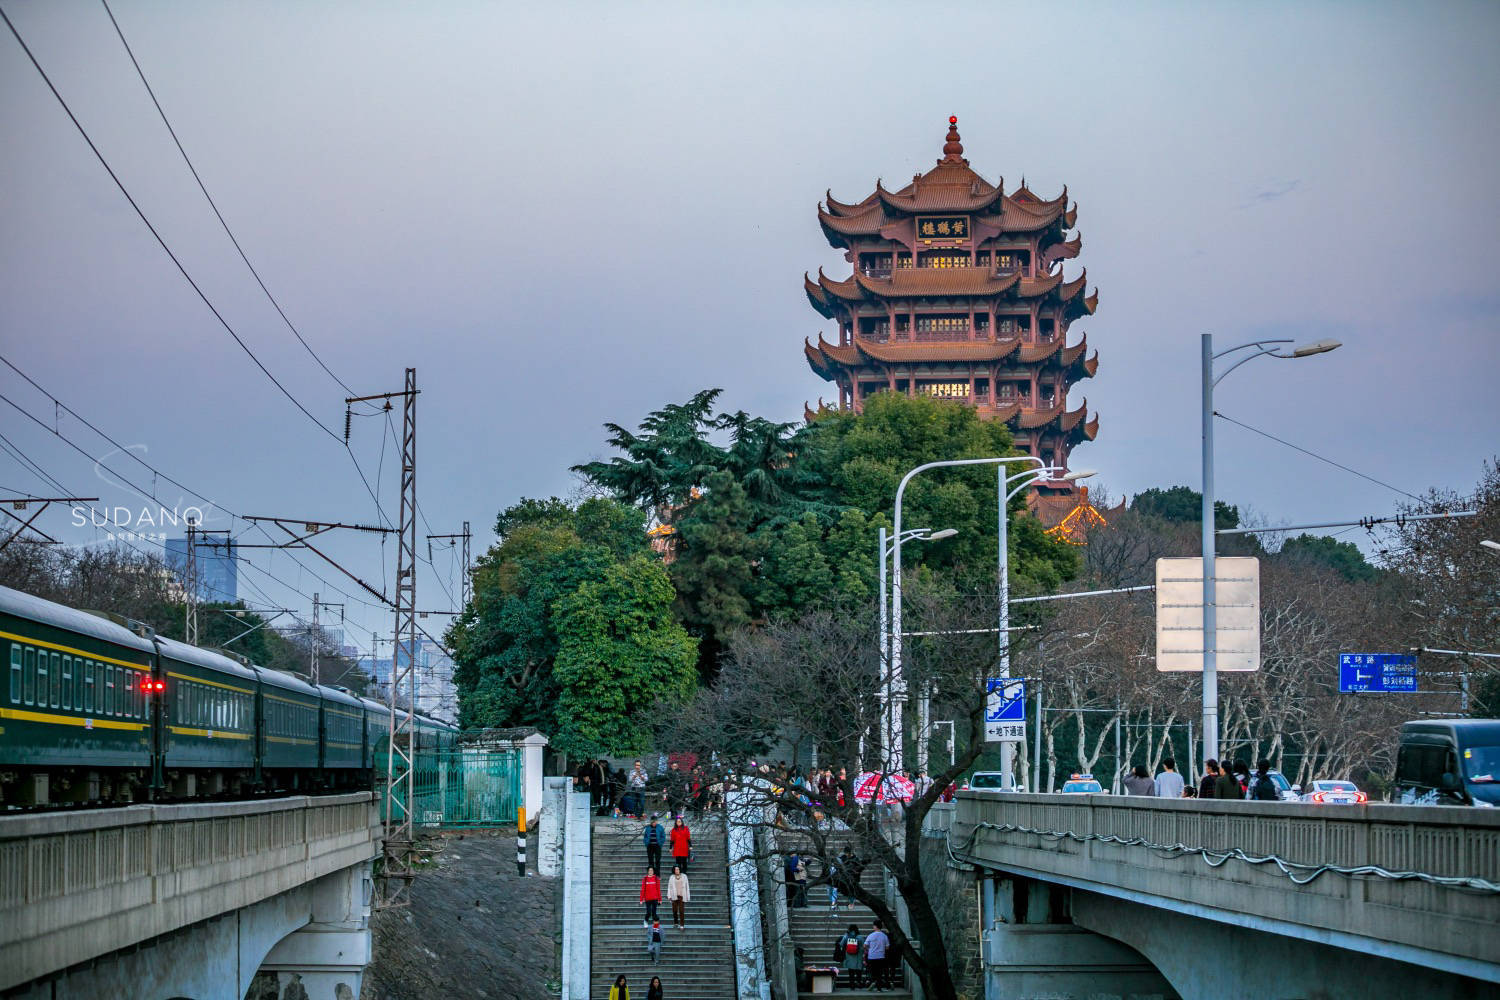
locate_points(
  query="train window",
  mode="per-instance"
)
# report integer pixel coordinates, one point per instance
(30, 683)
(67, 682)
(15, 674)
(41, 678)
(56, 679)
(88, 685)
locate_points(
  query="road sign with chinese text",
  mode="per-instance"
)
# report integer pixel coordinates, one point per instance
(1005, 711)
(1377, 672)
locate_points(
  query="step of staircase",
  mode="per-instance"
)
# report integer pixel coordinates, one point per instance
(697, 963)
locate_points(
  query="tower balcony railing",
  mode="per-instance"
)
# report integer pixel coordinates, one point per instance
(942, 336)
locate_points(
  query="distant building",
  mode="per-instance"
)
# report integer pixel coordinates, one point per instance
(217, 568)
(958, 293)
(436, 694)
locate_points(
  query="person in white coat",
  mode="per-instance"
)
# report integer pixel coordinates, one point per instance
(679, 894)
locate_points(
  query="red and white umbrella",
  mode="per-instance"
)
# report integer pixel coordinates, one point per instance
(894, 788)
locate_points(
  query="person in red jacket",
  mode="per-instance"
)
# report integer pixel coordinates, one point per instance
(650, 895)
(681, 839)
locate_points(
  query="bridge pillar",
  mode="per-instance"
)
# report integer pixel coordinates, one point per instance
(326, 958)
(1032, 949)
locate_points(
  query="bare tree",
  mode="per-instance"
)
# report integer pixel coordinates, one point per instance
(816, 682)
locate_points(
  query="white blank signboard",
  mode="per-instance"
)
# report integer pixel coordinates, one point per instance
(1179, 613)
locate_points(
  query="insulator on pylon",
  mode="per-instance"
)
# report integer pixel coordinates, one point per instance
(348, 415)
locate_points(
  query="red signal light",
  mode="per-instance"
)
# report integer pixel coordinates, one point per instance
(953, 119)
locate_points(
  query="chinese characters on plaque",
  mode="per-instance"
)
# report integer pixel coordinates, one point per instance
(940, 227)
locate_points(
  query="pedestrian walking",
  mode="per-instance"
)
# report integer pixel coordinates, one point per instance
(1225, 786)
(1242, 776)
(790, 863)
(650, 894)
(619, 991)
(1210, 776)
(1263, 789)
(1139, 782)
(682, 843)
(1169, 783)
(653, 992)
(679, 894)
(653, 836)
(677, 790)
(799, 876)
(654, 940)
(877, 947)
(846, 952)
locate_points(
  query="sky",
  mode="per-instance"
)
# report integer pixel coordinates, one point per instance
(564, 214)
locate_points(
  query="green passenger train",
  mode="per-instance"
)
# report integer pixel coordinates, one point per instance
(94, 710)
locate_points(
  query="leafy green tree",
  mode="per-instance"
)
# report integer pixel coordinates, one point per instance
(621, 658)
(714, 572)
(1181, 503)
(505, 643)
(1320, 550)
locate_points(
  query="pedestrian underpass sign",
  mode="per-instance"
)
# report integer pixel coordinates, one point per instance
(1005, 711)
(1377, 672)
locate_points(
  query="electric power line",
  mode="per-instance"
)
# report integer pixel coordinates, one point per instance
(1294, 447)
(160, 241)
(214, 205)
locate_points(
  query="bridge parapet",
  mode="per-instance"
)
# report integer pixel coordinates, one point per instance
(78, 885)
(1416, 884)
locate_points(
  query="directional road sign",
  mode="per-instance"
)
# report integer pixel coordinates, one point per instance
(1377, 672)
(1005, 711)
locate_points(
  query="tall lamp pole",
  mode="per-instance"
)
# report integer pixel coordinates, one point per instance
(891, 722)
(1259, 349)
(1006, 493)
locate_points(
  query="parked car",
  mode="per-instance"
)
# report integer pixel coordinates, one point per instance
(1329, 792)
(985, 779)
(1082, 784)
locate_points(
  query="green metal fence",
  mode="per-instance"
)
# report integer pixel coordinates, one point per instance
(466, 786)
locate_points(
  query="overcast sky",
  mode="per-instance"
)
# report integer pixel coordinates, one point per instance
(566, 214)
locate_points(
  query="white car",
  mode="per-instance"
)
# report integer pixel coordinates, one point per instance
(1325, 792)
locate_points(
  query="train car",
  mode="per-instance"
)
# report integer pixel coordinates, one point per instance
(287, 713)
(377, 735)
(342, 737)
(208, 714)
(76, 712)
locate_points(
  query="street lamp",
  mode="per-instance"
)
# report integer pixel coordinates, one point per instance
(1022, 479)
(888, 723)
(1491, 545)
(1262, 348)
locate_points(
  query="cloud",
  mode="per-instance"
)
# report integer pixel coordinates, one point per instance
(1271, 192)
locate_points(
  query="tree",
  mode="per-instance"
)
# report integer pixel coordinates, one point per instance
(812, 679)
(1344, 558)
(621, 659)
(506, 642)
(1183, 504)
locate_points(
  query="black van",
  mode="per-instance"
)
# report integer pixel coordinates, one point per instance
(1449, 762)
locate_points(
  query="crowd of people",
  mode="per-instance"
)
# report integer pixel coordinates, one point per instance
(1226, 781)
(679, 786)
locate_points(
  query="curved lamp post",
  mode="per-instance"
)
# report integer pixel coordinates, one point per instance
(884, 549)
(1258, 349)
(896, 680)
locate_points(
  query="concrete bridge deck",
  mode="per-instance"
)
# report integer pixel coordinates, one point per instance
(1413, 885)
(79, 887)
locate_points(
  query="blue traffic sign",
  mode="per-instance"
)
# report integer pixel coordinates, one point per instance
(1377, 672)
(1006, 701)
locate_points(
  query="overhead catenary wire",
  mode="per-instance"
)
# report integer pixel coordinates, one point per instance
(182, 269)
(214, 205)
(1313, 454)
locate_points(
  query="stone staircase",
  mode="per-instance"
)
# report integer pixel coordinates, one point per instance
(815, 929)
(696, 963)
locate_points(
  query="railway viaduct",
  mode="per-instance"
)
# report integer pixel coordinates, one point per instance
(1138, 897)
(188, 901)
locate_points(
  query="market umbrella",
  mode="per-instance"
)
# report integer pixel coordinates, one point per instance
(894, 788)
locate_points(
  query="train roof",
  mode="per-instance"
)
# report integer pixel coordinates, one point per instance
(287, 682)
(375, 706)
(29, 606)
(342, 697)
(206, 658)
